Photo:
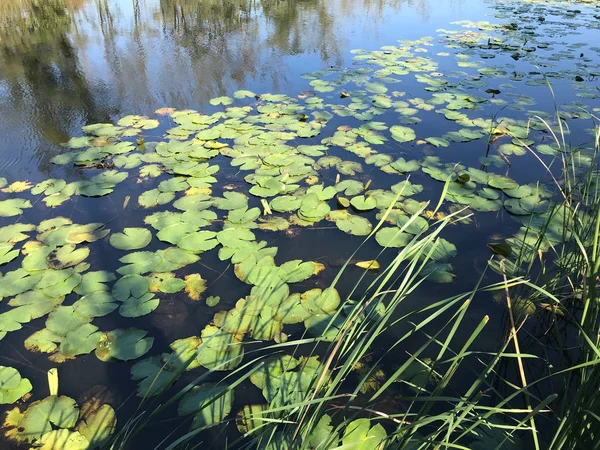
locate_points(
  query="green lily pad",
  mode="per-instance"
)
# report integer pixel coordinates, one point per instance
(213, 300)
(12, 386)
(15, 233)
(500, 182)
(154, 377)
(154, 197)
(235, 237)
(63, 439)
(95, 304)
(286, 203)
(17, 282)
(41, 416)
(130, 286)
(360, 435)
(139, 306)
(221, 351)
(198, 241)
(139, 263)
(392, 237)
(355, 225)
(131, 239)
(363, 203)
(273, 224)
(7, 254)
(209, 402)
(437, 272)
(221, 101)
(438, 141)
(98, 426)
(401, 166)
(175, 232)
(402, 134)
(440, 250)
(91, 232)
(165, 282)
(123, 345)
(295, 271)
(231, 201)
(13, 207)
(250, 418)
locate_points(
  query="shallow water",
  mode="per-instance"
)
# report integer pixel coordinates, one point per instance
(66, 64)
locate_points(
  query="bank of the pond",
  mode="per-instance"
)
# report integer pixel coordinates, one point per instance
(399, 252)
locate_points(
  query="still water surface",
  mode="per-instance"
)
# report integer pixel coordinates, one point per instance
(64, 64)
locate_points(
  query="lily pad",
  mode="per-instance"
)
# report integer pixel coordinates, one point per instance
(355, 225)
(392, 237)
(41, 416)
(195, 286)
(98, 426)
(123, 345)
(360, 435)
(12, 386)
(131, 239)
(209, 402)
(402, 134)
(363, 203)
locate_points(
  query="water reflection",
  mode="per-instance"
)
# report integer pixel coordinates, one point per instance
(64, 63)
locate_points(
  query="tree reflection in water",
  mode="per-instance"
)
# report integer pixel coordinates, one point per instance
(64, 63)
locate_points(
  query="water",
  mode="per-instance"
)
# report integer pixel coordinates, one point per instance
(66, 64)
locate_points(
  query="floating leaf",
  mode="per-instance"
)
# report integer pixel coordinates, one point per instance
(130, 286)
(500, 182)
(12, 386)
(98, 426)
(213, 300)
(209, 402)
(195, 286)
(154, 197)
(95, 304)
(221, 101)
(500, 248)
(392, 237)
(123, 345)
(43, 415)
(287, 203)
(438, 272)
(139, 306)
(165, 282)
(198, 241)
(360, 435)
(13, 207)
(438, 141)
(153, 375)
(7, 254)
(131, 239)
(368, 265)
(250, 418)
(17, 186)
(63, 439)
(363, 203)
(355, 225)
(273, 224)
(402, 134)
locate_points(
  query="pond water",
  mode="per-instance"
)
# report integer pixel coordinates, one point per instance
(283, 96)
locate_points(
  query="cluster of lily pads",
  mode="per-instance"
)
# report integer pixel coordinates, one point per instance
(323, 156)
(57, 422)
